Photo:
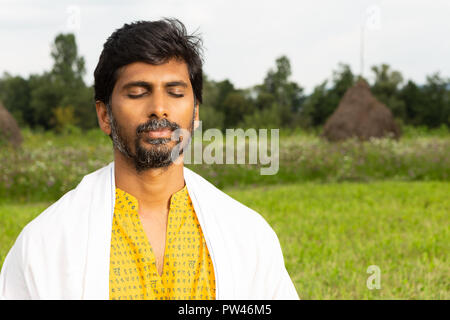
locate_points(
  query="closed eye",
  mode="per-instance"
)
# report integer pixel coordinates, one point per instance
(177, 95)
(136, 96)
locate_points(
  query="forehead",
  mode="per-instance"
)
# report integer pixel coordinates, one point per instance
(172, 70)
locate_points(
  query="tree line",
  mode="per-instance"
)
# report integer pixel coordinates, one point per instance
(60, 98)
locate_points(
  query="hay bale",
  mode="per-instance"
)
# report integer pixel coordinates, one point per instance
(9, 130)
(361, 115)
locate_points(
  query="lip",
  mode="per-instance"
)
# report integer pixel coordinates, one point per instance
(160, 133)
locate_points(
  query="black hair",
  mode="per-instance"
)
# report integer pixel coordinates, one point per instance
(153, 42)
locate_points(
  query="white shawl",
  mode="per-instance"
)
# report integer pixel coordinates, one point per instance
(64, 252)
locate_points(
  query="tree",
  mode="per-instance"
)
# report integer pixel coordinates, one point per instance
(15, 95)
(342, 79)
(436, 110)
(67, 72)
(429, 104)
(225, 105)
(68, 67)
(386, 89)
(237, 106)
(45, 96)
(316, 108)
(209, 112)
(63, 118)
(415, 100)
(323, 101)
(62, 87)
(277, 79)
(269, 117)
(279, 93)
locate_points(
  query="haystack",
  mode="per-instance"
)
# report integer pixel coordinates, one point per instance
(9, 130)
(360, 114)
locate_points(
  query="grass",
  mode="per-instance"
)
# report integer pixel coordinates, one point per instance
(331, 233)
(13, 217)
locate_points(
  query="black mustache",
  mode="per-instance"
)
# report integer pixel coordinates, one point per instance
(157, 124)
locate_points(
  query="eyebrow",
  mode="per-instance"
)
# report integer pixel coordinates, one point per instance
(146, 85)
(176, 84)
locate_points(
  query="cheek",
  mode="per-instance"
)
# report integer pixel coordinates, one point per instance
(125, 126)
(124, 116)
(188, 115)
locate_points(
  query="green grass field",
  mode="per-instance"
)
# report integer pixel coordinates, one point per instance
(330, 233)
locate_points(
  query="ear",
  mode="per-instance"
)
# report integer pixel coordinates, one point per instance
(102, 117)
(196, 117)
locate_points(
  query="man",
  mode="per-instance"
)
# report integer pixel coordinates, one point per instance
(146, 227)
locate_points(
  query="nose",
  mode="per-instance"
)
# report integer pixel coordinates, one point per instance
(157, 105)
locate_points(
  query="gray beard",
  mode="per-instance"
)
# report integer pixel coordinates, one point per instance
(158, 156)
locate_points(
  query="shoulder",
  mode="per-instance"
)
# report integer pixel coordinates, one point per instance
(52, 217)
(68, 214)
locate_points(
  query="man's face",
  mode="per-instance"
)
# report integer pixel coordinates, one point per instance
(148, 103)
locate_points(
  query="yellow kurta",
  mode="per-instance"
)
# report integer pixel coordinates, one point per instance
(188, 272)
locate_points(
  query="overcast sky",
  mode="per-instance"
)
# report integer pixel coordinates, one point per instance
(243, 38)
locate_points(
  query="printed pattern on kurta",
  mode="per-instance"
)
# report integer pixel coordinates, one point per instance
(188, 271)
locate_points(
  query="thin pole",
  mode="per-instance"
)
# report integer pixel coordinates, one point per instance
(362, 50)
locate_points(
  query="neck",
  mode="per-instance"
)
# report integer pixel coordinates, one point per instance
(153, 187)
